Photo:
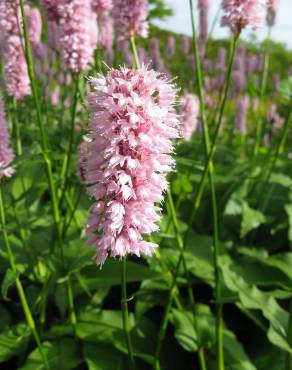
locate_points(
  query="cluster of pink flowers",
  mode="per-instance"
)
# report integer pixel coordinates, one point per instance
(128, 157)
(51, 9)
(77, 37)
(6, 154)
(203, 15)
(130, 18)
(274, 118)
(16, 74)
(242, 13)
(189, 112)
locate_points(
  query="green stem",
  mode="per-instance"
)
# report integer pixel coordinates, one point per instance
(212, 149)
(17, 130)
(67, 158)
(36, 99)
(23, 300)
(201, 352)
(44, 144)
(125, 313)
(219, 323)
(259, 121)
(280, 149)
(134, 52)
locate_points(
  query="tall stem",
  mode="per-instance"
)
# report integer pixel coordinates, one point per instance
(68, 155)
(23, 300)
(17, 129)
(44, 145)
(259, 121)
(125, 312)
(219, 323)
(134, 52)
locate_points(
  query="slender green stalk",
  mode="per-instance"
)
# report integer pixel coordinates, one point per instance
(36, 99)
(16, 129)
(23, 300)
(280, 149)
(134, 52)
(219, 323)
(281, 144)
(212, 149)
(201, 351)
(44, 146)
(259, 121)
(125, 312)
(68, 155)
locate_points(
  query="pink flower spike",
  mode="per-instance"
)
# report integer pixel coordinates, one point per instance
(242, 13)
(130, 18)
(76, 38)
(272, 9)
(126, 158)
(189, 111)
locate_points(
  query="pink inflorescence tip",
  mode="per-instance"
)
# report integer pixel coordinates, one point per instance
(242, 13)
(15, 68)
(76, 34)
(272, 8)
(189, 112)
(6, 154)
(128, 157)
(51, 9)
(130, 18)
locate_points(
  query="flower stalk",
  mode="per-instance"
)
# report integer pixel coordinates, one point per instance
(20, 290)
(125, 313)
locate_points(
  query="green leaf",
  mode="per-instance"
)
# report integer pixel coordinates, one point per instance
(281, 179)
(13, 341)
(251, 219)
(252, 298)
(106, 327)
(9, 280)
(61, 354)
(4, 318)
(102, 357)
(235, 356)
(285, 87)
(281, 261)
(95, 325)
(111, 274)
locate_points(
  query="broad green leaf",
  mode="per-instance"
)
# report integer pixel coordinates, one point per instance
(271, 359)
(13, 341)
(281, 179)
(96, 325)
(9, 280)
(102, 357)
(4, 318)
(285, 87)
(61, 354)
(252, 298)
(251, 219)
(281, 261)
(111, 273)
(182, 184)
(235, 356)
(106, 327)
